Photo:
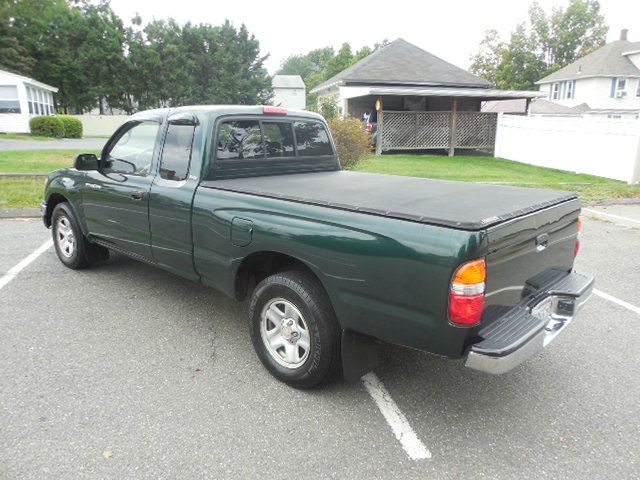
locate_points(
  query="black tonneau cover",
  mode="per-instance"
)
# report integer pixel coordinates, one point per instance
(463, 205)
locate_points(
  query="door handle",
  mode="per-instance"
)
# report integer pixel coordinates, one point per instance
(137, 195)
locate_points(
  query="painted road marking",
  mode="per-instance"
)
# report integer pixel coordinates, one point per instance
(611, 215)
(617, 301)
(13, 273)
(395, 418)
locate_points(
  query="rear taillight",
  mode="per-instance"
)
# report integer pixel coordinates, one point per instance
(368, 127)
(466, 296)
(575, 254)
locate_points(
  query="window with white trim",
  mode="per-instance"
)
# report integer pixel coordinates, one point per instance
(621, 85)
(638, 89)
(556, 91)
(569, 89)
(9, 102)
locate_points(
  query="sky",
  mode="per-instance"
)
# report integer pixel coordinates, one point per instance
(451, 30)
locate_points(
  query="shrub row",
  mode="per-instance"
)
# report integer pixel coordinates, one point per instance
(59, 126)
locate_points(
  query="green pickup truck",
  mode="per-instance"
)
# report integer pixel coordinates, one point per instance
(252, 201)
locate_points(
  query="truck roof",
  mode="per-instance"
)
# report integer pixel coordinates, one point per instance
(207, 110)
(462, 205)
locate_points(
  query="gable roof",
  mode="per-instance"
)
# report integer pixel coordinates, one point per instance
(30, 81)
(401, 62)
(287, 81)
(607, 61)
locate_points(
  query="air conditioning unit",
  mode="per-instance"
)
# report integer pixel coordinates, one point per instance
(621, 94)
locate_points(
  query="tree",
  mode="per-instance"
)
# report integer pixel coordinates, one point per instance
(13, 56)
(542, 45)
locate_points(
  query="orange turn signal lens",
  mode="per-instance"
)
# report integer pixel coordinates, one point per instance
(471, 272)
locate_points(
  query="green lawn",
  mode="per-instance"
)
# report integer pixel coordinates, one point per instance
(498, 171)
(21, 192)
(37, 161)
(27, 192)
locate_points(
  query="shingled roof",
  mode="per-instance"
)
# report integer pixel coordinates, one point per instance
(607, 61)
(402, 63)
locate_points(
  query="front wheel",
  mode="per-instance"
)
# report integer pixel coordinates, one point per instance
(294, 329)
(72, 247)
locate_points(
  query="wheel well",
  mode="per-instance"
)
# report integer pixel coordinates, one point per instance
(53, 200)
(259, 265)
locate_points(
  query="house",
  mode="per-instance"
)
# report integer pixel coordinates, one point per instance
(604, 83)
(289, 91)
(422, 102)
(22, 98)
(537, 107)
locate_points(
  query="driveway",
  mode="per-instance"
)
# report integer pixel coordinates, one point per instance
(62, 144)
(126, 371)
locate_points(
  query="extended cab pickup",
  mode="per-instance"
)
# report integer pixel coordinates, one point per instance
(252, 201)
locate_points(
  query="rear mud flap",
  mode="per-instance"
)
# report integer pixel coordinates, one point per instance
(360, 355)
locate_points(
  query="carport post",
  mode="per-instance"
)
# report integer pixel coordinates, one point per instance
(379, 127)
(452, 133)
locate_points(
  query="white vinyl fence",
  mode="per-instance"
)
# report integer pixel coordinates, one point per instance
(100, 124)
(605, 147)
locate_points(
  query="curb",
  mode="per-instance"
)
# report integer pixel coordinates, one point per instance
(32, 175)
(611, 201)
(13, 213)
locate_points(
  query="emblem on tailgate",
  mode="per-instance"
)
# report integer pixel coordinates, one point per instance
(542, 241)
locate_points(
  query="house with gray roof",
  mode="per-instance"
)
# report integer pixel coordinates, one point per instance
(607, 80)
(419, 101)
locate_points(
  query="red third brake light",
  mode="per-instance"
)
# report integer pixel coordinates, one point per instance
(274, 110)
(466, 296)
(368, 127)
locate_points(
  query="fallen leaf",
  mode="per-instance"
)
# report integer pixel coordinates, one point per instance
(198, 369)
(107, 454)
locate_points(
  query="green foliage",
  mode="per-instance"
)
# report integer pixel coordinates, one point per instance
(47, 126)
(328, 107)
(542, 45)
(352, 141)
(72, 126)
(323, 63)
(83, 48)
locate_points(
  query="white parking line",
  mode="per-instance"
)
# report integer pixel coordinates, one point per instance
(395, 418)
(611, 215)
(11, 274)
(617, 301)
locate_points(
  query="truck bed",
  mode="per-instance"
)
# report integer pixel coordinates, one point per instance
(462, 205)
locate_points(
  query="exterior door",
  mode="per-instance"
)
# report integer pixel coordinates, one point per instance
(171, 198)
(116, 198)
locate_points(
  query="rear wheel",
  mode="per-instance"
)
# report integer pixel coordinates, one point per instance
(72, 247)
(294, 329)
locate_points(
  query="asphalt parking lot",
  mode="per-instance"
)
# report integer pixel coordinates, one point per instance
(125, 371)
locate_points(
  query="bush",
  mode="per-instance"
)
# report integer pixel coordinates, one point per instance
(352, 141)
(72, 126)
(46, 126)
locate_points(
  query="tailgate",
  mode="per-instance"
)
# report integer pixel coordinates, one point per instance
(528, 253)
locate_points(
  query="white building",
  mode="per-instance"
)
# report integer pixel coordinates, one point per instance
(289, 91)
(22, 98)
(604, 83)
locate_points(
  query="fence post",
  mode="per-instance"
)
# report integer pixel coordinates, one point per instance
(635, 175)
(452, 133)
(497, 140)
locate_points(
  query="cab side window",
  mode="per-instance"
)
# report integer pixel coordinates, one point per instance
(133, 151)
(176, 154)
(240, 139)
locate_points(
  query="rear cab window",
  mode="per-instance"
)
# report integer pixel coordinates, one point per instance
(254, 145)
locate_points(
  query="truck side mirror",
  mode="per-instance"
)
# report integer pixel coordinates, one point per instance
(86, 161)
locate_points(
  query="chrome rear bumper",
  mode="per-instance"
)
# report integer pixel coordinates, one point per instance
(527, 329)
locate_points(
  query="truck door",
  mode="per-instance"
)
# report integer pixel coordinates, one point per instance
(115, 199)
(172, 194)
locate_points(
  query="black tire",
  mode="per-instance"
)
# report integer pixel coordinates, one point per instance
(307, 295)
(82, 253)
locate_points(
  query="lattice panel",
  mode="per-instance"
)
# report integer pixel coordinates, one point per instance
(433, 130)
(476, 130)
(398, 130)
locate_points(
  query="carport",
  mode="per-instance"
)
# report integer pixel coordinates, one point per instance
(421, 101)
